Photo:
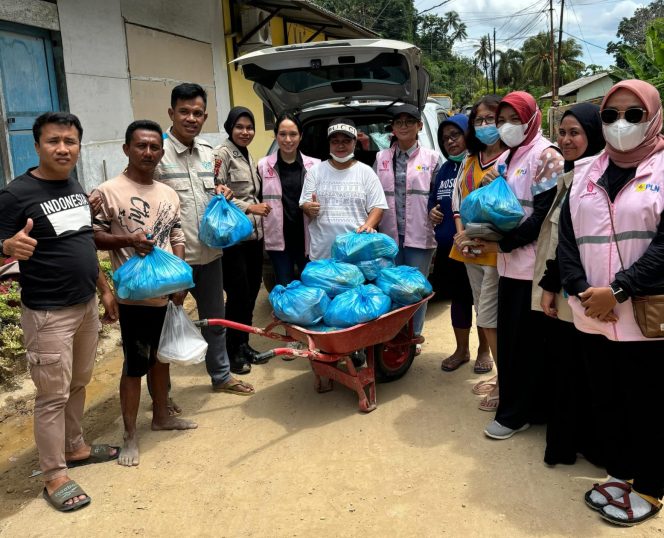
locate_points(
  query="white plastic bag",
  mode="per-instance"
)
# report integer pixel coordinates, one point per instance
(181, 342)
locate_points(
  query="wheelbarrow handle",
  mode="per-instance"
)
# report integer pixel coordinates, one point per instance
(262, 358)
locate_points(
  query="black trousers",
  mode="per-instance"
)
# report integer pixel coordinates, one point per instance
(626, 384)
(522, 380)
(243, 272)
(571, 428)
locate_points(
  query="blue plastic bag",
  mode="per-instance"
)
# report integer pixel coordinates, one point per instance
(494, 204)
(223, 224)
(332, 276)
(322, 328)
(403, 284)
(358, 305)
(372, 268)
(299, 304)
(354, 247)
(156, 274)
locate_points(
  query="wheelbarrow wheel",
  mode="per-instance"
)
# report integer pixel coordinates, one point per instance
(392, 362)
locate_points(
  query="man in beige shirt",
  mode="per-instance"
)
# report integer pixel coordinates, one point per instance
(136, 214)
(187, 167)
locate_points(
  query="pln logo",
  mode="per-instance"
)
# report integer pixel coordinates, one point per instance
(642, 187)
(422, 168)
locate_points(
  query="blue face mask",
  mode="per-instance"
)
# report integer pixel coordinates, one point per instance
(457, 158)
(487, 134)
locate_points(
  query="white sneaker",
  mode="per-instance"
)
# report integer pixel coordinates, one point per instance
(496, 430)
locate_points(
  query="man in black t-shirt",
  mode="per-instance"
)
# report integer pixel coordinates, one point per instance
(46, 224)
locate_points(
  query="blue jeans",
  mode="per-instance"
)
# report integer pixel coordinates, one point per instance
(284, 263)
(419, 258)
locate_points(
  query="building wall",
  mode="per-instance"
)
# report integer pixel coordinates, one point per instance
(242, 91)
(597, 88)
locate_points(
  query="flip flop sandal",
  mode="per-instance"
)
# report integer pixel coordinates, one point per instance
(601, 489)
(452, 363)
(65, 492)
(98, 454)
(484, 387)
(626, 505)
(489, 403)
(483, 367)
(232, 388)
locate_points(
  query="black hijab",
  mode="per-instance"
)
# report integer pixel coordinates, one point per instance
(235, 114)
(587, 115)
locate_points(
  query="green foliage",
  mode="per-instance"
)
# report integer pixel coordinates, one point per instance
(632, 32)
(11, 335)
(647, 63)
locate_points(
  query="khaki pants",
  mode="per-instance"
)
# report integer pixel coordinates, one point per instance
(61, 346)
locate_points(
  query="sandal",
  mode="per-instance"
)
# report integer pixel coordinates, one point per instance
(235, 386)
(483, 366)
(98, 454)
(489, 403)
(453, 362)
(65, 492)
(601, 489)
(626, 505)
(485, 387)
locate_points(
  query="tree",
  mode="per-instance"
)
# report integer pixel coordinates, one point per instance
(483, 55)
(536, 53)
(646, 65)
(632, 30)
(592, 69)
(510, 68)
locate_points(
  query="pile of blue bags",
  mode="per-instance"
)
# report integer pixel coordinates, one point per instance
(495, 204)
(338, 293)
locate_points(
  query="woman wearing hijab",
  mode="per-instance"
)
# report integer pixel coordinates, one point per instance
(570, 427)
(282, 173)
(449, 273)
(242, 263)
(484, 150)
(611, 250)
(533, 166)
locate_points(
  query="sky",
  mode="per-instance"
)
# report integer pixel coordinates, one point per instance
(592, 21)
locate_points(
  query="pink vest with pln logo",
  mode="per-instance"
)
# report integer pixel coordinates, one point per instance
(273, 224)
(520, 176)
(419, 170)
(636, 214)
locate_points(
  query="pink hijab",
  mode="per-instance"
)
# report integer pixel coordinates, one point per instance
(654, 141)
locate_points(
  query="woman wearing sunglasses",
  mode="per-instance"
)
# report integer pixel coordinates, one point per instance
(570, 428)
(533, 167)
(612, 249)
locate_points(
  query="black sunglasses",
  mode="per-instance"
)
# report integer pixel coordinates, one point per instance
(632, 115)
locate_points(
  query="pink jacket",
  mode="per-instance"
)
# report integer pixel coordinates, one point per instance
(522, 179)
(636, 214)
(421, 165)
(273, 226)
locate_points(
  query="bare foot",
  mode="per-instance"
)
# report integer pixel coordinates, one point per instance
(172, 423)
(129, 455)
(52, 485)
(173, 409)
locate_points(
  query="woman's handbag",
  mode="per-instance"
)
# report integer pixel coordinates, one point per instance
(648, 309)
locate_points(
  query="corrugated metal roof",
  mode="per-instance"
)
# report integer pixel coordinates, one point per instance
(309, 14)
(576, 85)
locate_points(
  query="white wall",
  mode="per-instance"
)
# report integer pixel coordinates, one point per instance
(95, 57)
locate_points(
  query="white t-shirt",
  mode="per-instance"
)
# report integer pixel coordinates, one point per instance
(346, 198)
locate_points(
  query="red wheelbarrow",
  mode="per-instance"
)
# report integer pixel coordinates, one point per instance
(388, 341)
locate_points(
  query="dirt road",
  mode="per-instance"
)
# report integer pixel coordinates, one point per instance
(291, 462)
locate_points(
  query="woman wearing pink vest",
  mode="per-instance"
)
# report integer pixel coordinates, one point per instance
(533, 166)
(285, 232)
(407, 171)
(612, 249)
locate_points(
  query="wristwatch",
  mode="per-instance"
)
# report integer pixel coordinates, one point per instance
(619, 293)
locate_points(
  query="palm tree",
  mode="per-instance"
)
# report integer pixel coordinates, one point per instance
(451, 21)
(483, 55)
(510, 68)
(537, 59)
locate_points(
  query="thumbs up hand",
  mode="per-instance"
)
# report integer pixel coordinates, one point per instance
(311, 209)
(21, 246)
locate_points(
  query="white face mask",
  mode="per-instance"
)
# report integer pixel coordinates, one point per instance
(625, 136)
(342, 160)
(512, 134)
